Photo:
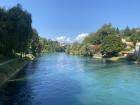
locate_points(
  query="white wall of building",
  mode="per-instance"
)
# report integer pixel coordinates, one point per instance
(137, 49)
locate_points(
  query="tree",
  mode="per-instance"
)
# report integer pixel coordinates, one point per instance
(117, 31)
(36, 47)
(127, 31)
(86, 50)
(88, 39)
(135, 37)
(3, 31)
(105, 30)
(16, 32)
(97, 37)
(111, 45)
(21, 30)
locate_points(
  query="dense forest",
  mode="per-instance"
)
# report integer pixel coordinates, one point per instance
(17, 36)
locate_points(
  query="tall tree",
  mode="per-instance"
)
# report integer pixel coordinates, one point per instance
(111, 45)
(127, 31)
(22, 29)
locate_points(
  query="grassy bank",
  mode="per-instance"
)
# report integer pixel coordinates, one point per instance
(8, 70)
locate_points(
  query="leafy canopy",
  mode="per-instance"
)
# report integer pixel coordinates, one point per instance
(111, 45)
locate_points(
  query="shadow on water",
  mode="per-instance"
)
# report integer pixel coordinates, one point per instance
(34, 86)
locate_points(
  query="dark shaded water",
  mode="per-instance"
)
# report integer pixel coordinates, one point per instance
(60, 79)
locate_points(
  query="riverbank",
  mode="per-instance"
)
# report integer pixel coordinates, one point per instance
(10, 69)
(116, 58)
(99, 56)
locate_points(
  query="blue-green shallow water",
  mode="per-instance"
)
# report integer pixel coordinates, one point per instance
(60, 79)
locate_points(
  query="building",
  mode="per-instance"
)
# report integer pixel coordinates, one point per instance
(137, 49)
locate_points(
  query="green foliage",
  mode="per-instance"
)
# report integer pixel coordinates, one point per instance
(89, 39)
(21, 28)
(86, 50)
(106, 41)
(51, 46)
(4, 28)
(104, 31)
(80, 49)
(16, 33)
(135, 37)
(36, 45)
(111, 45)
(97, 37)
(128, 32)
(73, 49)
(117, 31)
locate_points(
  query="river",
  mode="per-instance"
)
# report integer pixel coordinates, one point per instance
(60, 79)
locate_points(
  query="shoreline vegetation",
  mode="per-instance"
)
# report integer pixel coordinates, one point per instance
(18, 39)
(110, 43)
(17, 36)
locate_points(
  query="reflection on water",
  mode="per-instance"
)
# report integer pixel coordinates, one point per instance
(60, 79)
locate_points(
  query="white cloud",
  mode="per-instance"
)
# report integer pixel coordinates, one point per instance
(80, 37)
(63, 39)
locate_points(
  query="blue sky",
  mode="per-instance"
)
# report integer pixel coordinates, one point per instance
(54, 18)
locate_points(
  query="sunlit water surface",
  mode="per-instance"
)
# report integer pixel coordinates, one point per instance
(60, 79)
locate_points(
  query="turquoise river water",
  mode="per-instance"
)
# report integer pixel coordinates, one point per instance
(60, 79)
